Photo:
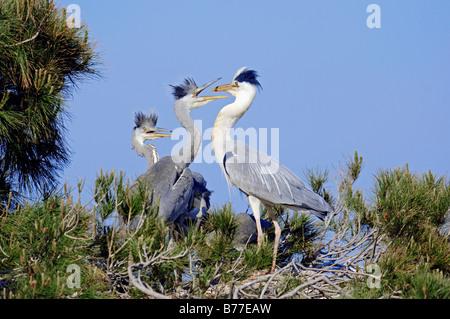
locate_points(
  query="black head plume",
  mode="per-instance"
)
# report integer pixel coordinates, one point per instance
(143, 120)
(187, 87)
(246, 75)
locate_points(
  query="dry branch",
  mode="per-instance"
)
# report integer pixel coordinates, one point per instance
(157, 258)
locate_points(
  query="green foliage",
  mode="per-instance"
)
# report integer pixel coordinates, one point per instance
(317, 179)
(41, 59)
(119, 231)
(408, 211)
(222, 222)
(427, 249)
(354, 199)
(216, 253)
(354, 167)
(427, 284)
(259, 259)
(300, 235)
(39, 241)
(411, 208)
(407, 203)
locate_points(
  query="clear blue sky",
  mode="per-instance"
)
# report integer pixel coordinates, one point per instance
(330, 84)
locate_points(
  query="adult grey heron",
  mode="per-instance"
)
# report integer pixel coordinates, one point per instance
(179, 188)
(261, 177)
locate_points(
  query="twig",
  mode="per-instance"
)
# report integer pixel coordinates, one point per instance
(242, 287)
(278, 272)
(25, 41)
(156, 259)
(35, 35)
(309, 283)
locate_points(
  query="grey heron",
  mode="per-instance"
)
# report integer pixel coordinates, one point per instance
(261, 177)
(145, 129)
(179, 188)
(186, 99)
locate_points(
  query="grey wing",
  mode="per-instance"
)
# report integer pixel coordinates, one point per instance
(175, 200)
(200, 201)
(158, 178)
(174, 190)
(262, 176)
(200, 188)
(199, 179)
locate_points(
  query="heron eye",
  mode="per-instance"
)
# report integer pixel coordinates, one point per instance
(236, 83)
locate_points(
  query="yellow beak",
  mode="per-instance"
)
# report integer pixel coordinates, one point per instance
(223, 87)
(212, 97)
(159, 132)
(207, 98)
(161, 135)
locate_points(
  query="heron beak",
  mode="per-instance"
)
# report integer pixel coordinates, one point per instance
(200, 89)
(223, 88)
(207, 98)
(202, 100)
(211, 97)
(159, 132)
(161, 135)
(158, 129)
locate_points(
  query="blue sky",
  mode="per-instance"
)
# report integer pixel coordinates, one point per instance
(331, 85)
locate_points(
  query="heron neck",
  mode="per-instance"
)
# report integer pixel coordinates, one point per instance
(151, 155)
(193, 142)
(227, 119)
(146, 150)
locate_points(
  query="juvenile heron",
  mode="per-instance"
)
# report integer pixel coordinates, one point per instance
(261, 177)
(183, 193)
(145, 129)
(186, 99)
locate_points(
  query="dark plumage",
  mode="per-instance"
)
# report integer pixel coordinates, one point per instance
(248, 76)
(142, 120)
(188, 86)
(246, 231)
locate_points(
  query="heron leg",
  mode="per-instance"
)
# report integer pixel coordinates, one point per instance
(255, 204)
(277, 236)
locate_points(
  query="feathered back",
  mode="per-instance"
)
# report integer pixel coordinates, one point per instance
(187, 87)
(143, 120)
(246, 75)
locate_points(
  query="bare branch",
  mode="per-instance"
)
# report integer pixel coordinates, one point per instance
(156, 259)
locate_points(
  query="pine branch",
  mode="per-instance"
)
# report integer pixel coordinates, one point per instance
(35, 35)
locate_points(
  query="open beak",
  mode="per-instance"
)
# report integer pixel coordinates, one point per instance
(159, 132)
(223, 87)
(208, 98)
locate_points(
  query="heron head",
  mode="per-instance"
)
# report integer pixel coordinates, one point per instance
(242, 80)
(188, 93)
(145, 128)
